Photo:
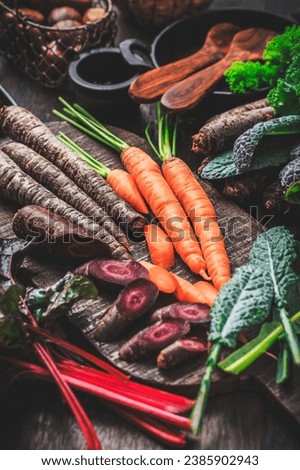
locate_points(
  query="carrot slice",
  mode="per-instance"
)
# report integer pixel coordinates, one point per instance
(160, 246)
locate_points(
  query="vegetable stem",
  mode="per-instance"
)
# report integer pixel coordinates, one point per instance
(242, 363)
(291, 336)
(198, 410)
(283, 364)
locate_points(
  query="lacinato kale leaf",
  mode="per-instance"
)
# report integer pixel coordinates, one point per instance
(244, 301)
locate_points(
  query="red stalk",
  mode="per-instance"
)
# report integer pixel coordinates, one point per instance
(100, 378)
(157, 430)
(80, 352)
(81, 417)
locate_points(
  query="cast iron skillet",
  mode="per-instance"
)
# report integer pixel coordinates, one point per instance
(186, 36)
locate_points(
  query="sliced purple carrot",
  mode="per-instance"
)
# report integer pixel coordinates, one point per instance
(113, 271)
(180, 351)
(133, 302)
(152, 339)
(191, 312)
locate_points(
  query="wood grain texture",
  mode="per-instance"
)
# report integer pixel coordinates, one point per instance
(246, 45)
(151, 85)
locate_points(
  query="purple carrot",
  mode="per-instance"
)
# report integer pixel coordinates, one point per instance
(191, 312)
(152, 339)
(113, 271)
(180, 351)
(133, 302)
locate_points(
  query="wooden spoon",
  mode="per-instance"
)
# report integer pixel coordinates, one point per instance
(248, 44)
(151, 85)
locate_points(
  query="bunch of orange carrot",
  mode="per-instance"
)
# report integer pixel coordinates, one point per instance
(174, 195)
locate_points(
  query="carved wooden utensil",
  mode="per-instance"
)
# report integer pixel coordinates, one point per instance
(151, 85)
(248, 44)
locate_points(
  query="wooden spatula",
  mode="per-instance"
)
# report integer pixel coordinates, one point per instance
(246, 45)
(151, 85)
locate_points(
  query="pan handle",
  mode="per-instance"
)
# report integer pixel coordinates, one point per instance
(136, 53)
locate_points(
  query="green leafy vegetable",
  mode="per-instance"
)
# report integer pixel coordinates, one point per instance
(246, 144)
(279, 69)
(274, 252)
(292, 195)
(48, 304)
(283, 364)
(244, 301)
(243, 357)
(11, 329)
(270, 152)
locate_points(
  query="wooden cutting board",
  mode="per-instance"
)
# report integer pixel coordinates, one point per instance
(239, 229)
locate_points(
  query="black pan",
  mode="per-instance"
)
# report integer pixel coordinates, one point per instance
(186, 36)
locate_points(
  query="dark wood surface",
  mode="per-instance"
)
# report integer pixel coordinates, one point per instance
(33, 416)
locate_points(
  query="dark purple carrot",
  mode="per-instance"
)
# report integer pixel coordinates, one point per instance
(191, 312)
(60, 236)
(16, 186)
(113, 271)
(152, 339)
(52, 178)
(273, 198)
(180, 351)
(219, 133)
(243, 187)
(133, 302)
(21, 125)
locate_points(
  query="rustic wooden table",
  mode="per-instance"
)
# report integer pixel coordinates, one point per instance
(33, 416)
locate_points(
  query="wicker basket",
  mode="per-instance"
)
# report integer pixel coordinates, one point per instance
(43, 53)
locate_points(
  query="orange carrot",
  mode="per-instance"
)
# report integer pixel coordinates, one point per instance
(165, 206)
(124, 185)
(184, 291)
(160, 246)
(201, 212)
(188, 292)
(163, 280)
(210, 291)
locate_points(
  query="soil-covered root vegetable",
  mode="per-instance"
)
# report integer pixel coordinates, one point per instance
(61, 237)
(133, 302)
(16, 186)
(113, 271)
(152, 339)
(24, 127)
(220, 133)
(192, 312)
(273, 198)
(243, 187)
(160, 246)
(243, 108)
(179, 352)
(93, 14)
(62, 14)
(162, 278)
(51, 177)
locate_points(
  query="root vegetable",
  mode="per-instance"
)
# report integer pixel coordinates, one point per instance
(133, 302)
(244, 187)
(163, 280)
(16, 186)
(63, 14)
(220, 133)
(61, 236)
(48, 175)
(180, 351)
(273, 197)
(160, 246)
(26, 128)
(113, 271)
(67, 24)
(191, 312)
(152, 339)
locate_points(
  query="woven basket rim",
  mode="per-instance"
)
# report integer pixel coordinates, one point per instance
(109, 9)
